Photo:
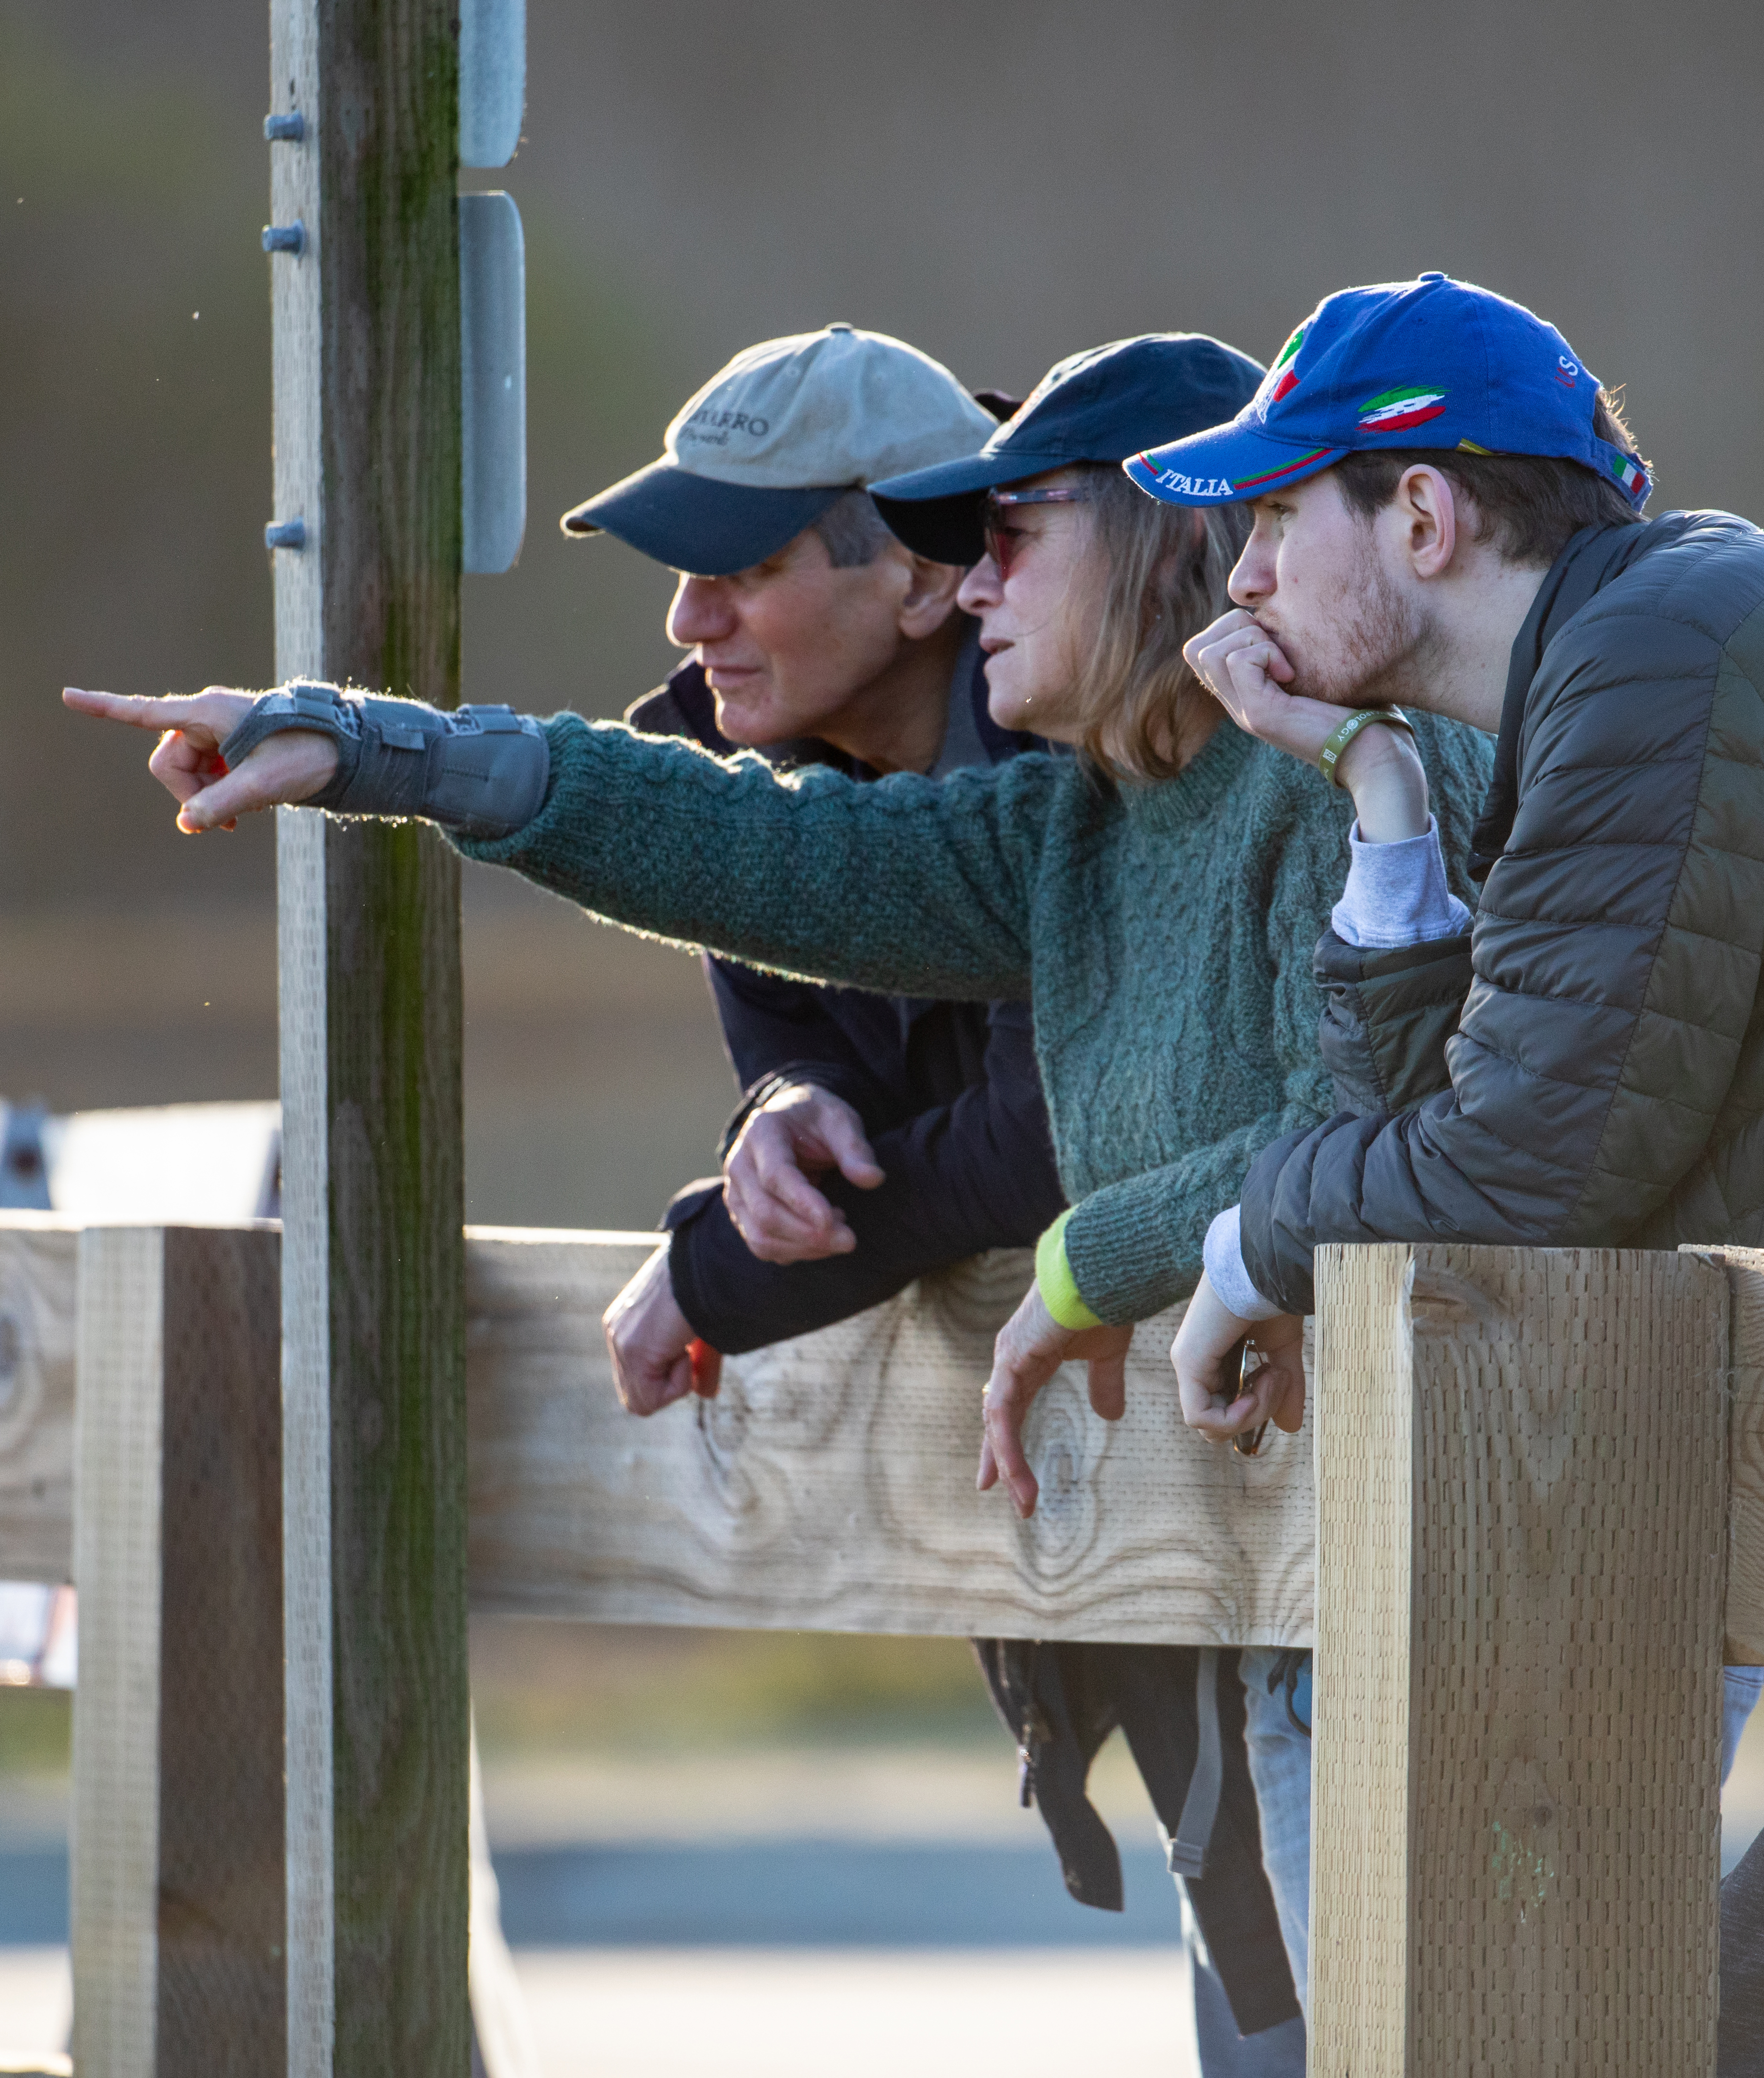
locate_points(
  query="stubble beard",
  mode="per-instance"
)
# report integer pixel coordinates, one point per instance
(1372, 647)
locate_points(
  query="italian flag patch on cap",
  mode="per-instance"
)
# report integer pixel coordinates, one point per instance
(1632, 476)
(1397, 409)
(1283, 377)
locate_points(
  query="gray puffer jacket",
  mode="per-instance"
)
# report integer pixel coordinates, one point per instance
(1586, 1065)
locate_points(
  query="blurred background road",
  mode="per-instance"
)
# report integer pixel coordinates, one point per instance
(805, 1851)
(787, 1852)
(793, 1853)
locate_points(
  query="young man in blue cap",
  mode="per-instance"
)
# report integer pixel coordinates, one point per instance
(1448, 516)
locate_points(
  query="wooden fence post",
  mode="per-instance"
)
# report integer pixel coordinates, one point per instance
(178, 1907)
(1521, 1529)
(38, 1253)
(367, 348)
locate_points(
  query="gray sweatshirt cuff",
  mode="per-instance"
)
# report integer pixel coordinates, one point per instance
(478, 771)
(1396, 893)
(1225, 1272)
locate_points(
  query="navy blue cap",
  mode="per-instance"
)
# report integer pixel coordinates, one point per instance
(1100, 405)
(1431, 363)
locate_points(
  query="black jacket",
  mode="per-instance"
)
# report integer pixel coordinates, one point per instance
(948, 1092)
(1594, 1046)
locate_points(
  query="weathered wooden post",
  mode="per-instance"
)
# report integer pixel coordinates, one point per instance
(177, 1893)
(364, 119)
(1522, 1497)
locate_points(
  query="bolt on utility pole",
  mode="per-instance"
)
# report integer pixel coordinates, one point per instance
(363, 138)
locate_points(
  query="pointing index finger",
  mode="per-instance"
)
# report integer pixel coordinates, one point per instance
(129, 707)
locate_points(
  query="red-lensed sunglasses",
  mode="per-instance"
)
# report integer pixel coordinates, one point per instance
(1001, 538)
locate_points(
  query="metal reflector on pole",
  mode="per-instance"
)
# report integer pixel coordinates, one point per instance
(492, 333)
(493, 80)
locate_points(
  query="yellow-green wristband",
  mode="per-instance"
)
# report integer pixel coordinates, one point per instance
(1330, 756)
(1055, 1282)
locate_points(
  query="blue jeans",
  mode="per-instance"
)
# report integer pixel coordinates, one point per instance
(1740, 1689)
(1280, 1767)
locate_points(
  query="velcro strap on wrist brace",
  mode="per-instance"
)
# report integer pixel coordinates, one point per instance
(480, 771)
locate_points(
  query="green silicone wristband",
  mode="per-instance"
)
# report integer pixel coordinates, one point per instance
(1330, 756)
(1054, 1280)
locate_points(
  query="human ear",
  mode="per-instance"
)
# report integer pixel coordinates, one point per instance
(1425, 506)
(930, 597)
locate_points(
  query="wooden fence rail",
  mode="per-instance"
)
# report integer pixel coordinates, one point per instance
(829, 1486)
(1535, 1529)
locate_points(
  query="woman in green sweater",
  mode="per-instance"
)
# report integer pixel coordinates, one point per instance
(1156, 897)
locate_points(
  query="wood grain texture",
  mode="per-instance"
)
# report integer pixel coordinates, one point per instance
(831, 1484)
(115, 1845)
(390, 326)
(1744, 1644)
(543, 1369)
(297, 348)
(307, 1622)
(1362, 1778)
(177, 1848)
(374, 1377)
(400, 1715)
(38, 1257)
(558, 1526)
(297, 303)
(221, 2003)
(1515, 1869)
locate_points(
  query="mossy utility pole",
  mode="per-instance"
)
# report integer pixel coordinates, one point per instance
(364, 117)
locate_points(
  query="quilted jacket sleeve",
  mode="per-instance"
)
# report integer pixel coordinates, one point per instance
(1616, 957)
(1387, 1012)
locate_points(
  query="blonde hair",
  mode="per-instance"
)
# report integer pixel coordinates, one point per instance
(1163, 572)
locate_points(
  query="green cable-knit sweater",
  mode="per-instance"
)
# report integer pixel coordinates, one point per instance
(1163, 933)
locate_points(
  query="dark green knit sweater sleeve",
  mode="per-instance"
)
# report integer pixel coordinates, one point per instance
(904, 885)
(1136, 1246)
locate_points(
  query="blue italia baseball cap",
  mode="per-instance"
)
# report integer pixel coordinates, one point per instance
(1432, 363)
(1101, 405)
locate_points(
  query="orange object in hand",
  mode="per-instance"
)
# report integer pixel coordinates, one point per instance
(706, 1368)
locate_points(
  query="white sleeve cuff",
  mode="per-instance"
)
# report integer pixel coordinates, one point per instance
(1396, 893)
(1225, 1272)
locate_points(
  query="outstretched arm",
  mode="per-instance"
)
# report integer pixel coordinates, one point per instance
(902, 886)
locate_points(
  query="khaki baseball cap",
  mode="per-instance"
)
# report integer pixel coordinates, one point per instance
(779, 435)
